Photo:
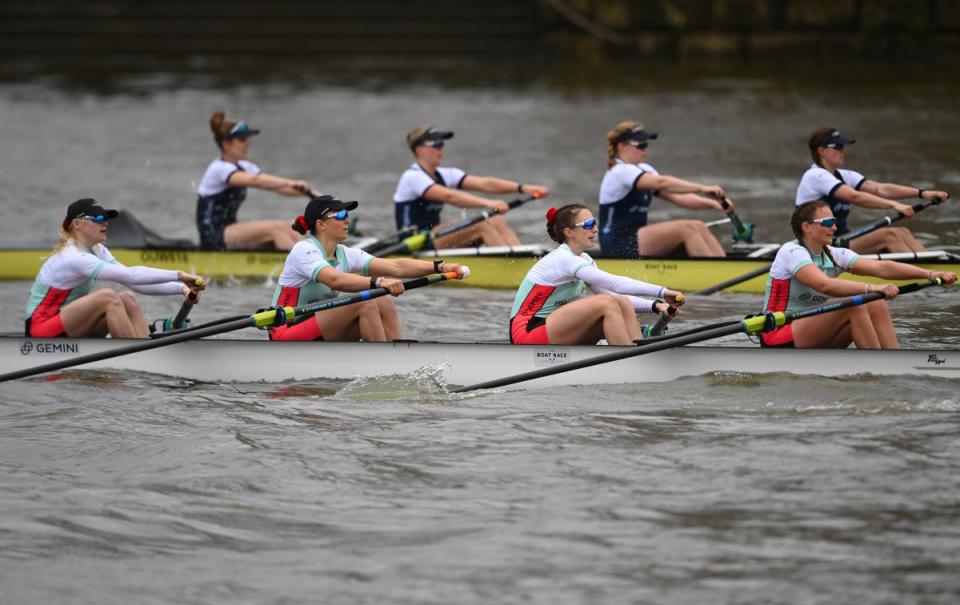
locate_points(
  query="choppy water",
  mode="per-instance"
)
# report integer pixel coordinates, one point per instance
(119, 488)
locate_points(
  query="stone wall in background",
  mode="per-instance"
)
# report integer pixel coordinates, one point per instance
(756, 30)
(51, 34)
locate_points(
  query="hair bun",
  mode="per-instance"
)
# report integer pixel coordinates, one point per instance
(551, 216)
(300, 225)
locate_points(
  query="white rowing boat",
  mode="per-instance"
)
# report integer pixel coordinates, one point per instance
(228, 360)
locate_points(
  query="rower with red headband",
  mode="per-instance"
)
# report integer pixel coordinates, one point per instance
(319, 267)
(62, 301)
(552, 305)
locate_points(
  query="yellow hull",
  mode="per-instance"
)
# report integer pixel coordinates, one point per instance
(494, 272)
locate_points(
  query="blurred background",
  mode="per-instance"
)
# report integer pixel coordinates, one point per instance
(111, 98)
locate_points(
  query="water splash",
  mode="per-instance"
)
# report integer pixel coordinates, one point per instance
(427, 383)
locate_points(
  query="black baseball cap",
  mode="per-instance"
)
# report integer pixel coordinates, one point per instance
(241, 130)
(86, 207)
(421, 134)
(323, 204)
(636, 134)
(833, 139)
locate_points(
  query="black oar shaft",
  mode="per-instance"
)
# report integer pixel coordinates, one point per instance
(736, 280)
(881, 223)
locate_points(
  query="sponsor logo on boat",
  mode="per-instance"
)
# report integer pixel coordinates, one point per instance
(28, 347)
(169, 256)
(936, 359)
(549, 357)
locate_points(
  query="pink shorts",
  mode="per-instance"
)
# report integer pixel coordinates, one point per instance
(52, 327)
(305, 330)
(528, 331)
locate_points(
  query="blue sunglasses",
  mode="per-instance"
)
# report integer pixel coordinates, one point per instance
(96, 218)
(338, 215)
(588, 224)
(825, 222)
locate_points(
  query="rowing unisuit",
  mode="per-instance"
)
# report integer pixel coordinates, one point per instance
(298, 285)
(559, 278)
(784, 292)
(818, 183)
(623, 208)
(411, 207)
(71, 272)
(218, 202)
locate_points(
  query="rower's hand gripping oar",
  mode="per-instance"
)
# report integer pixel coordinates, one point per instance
(749, 325)
(884, 222)
(660, 326)
(843, 239)
(417, 241)
(179, 321)
(266, 318)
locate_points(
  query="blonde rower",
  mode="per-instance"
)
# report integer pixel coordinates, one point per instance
(62, 301)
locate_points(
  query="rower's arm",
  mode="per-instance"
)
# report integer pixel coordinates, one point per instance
(691, 201)
(869, 200)
(409, 267)
(901, 192)
(498, 186)
(270, 182)
(440, 193)
(813, 277)
(344, 282)
(888, 269)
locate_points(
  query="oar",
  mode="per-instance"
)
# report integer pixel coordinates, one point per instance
(179, 321)
(837, 241)
(415, 242)
(658, 328)
(885, 221)
(742, 232)
(748, 325)
(261, 319)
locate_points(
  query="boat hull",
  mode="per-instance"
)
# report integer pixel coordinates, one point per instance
(502, 271)
(225, 360)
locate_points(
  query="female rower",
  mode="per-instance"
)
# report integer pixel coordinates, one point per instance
(61, 302)
(804, 274)
(426, 186)
(628, 188)
(319, 266)
(224, 188)
(551, 306)
(826, 180)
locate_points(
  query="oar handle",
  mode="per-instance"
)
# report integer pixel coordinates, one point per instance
(187, 306)
(660, 326)
(741, 231)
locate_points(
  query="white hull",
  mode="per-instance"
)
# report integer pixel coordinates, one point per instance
(225, 360)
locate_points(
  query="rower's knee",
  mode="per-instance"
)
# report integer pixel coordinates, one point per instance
(129, 301)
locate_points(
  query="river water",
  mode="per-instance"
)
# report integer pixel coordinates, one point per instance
(737, 488)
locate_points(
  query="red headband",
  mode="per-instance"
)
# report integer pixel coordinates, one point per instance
(551, 216)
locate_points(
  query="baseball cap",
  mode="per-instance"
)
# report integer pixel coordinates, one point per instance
(419, 135)
(86, 207)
